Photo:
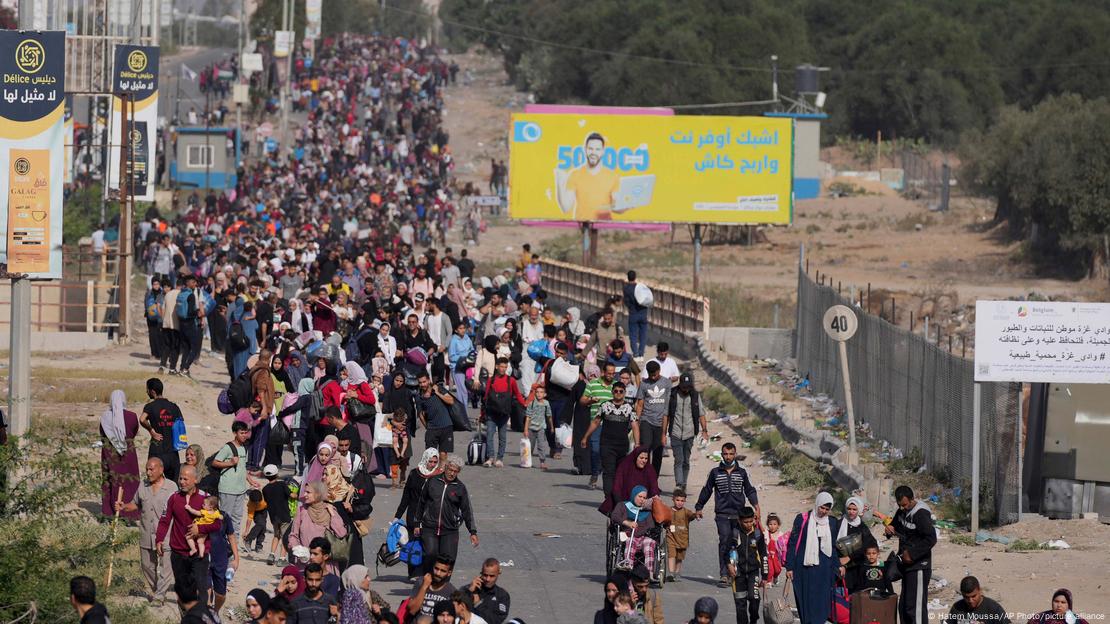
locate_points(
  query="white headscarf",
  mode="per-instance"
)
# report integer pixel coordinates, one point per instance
(845, 522)
(818, 534)
(422, 466)
(355, 374)
(111, 421)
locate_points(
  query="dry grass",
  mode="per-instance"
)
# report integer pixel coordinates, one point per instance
(48, 373)
(70, 392)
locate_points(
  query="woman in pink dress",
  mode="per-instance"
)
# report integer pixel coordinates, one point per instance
(119, 464)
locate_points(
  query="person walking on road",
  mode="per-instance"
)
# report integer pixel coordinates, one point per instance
(158, 418)
(651, 412)
(499, 398)
(151, 503)
(684, 422)
(189, 570)
(637, 317)
(433, 403)
(913, 524)
(616, 419)
(812, 561)
(231, 459)
(119, 463)
(442, 509)
(732, 490)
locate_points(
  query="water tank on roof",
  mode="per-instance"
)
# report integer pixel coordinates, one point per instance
(805, 78)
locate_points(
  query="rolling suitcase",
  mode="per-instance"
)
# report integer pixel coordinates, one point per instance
(476, 452)
(872, 606)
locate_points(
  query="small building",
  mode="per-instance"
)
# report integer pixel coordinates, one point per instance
(204, 158)
(807, 152)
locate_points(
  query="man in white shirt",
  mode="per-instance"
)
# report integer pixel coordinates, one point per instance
(98, 239)
(668, 367)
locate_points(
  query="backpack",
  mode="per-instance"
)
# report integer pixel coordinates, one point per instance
(152, 313)
(184, 309)
(315, 408)
(237, 337)
(240, 391)
(499, 404)
(210, 483)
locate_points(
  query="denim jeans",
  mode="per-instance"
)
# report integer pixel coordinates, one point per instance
(682, 450)
(502, 431)
(637, 334)
(595, 453)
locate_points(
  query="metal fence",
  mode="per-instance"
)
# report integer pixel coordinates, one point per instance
(924, 180)
(916, 396)
(675, 310)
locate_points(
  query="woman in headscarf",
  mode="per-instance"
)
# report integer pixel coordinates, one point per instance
(1061, 610)
(635, 520)
(262, 386)
(325, 453)
(387, 344)
(358, 605)
(398, 396)
(852, 524)
(574, 325)
(315, 517)
(296, 367)
(456, 296)
(635, 469)
(298, 317)
(811, 560)
(586, 460)
(119, 464)
(291, 584)
(418, 479)
(328, 385)
(607, 614)
(458, 350)
(256, 602)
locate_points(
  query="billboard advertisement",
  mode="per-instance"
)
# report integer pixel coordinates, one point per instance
(1042, 341)
(32, 145)
(135, 73)
(673, 169)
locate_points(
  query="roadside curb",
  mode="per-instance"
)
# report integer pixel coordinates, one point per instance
(819, 446)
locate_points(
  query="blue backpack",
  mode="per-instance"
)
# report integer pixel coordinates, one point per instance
(411, 551)
(184, 310)
(180, 438)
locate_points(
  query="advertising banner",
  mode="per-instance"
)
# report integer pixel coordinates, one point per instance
(135, 73)
(670, 169)
(32, 135)
(313, 10)
(1042, 341)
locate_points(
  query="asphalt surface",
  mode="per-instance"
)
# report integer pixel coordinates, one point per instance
(545, 529)
(196, 59)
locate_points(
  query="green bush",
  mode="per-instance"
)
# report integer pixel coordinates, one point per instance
(768, 440)
(45, 539)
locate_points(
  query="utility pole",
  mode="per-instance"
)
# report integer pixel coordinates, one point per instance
(19, 347)
(126, 194)
(775, 78)
(286, 25)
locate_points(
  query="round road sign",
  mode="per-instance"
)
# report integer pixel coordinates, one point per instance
(840, 323)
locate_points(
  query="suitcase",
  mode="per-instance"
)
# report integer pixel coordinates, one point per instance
(873, 607)
(476, 452)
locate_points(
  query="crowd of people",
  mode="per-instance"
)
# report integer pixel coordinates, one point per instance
(342, 341)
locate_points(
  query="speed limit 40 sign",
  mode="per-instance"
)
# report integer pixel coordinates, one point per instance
(840, 323)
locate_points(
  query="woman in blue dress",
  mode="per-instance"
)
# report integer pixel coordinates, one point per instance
(812, 562)
(243, 313)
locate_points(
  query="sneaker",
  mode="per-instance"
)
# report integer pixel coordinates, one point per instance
(723, 582)
(185, 373)
(593, 483)
(161, 370)
(173, 371)
(272, 559)
(499, 464)
(557, 456)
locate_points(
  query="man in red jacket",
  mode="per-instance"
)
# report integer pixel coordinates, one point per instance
(188, 570)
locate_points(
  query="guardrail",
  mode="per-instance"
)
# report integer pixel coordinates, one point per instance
(675, 310)
(67, 307)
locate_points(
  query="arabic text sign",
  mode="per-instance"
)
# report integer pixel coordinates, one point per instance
(32, 139)
(1058, 342)
(684, 169)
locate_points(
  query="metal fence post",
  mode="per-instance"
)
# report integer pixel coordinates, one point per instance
(90, 302)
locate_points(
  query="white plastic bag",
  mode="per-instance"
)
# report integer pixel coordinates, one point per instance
(525, 452)
(565, 435)
(383, 435)
(563, 373)
(644, 296)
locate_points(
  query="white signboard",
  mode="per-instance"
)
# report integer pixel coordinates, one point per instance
(484, 201)
(252, 62)
(283, 43)
(1058, 342)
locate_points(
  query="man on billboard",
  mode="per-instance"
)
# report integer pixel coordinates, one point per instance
(588, 192)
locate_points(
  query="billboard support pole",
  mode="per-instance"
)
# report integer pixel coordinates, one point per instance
(585, 244)
(127, 191)
(975, 421)
(697, 255)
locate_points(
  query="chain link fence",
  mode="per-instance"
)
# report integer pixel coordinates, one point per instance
(917, 397)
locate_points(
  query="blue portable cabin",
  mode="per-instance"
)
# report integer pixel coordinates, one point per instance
(201, 158)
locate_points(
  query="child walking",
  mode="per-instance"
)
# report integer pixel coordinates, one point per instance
(538, 414)
(208, 514)
(402, 449)
(277, 496)
(748, 568)
(678, 538)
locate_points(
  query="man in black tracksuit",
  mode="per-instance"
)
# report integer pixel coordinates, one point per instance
(442, 507)
(748, 567)
(731, 490)
(913, 523)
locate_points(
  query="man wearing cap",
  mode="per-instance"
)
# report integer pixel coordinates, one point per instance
(276, 495)
(683, 422)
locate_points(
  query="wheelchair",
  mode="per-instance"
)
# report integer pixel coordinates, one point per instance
(616, 545)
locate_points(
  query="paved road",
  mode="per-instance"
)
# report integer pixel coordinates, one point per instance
(195, 59)
(553, 580)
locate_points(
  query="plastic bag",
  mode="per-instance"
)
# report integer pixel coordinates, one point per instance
(525, 452)
(564, 434)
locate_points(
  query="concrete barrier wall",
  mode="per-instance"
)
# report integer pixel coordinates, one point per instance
(753, 342)
(48, 342)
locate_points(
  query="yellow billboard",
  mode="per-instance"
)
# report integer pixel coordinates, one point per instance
(679, 169)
